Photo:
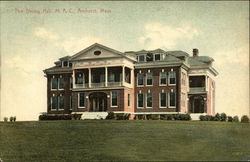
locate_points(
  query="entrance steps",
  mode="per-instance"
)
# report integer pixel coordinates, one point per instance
(196, 116)
(94, 115)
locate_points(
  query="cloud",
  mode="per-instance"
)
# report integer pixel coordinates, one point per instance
(237, 56)
(157, 35)
(45, 34)
(75, 44)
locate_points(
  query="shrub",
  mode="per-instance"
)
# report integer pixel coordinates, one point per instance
(202, 118)
(230, 119)
(217, 117)
(155, 116)
(14, 118)
(122, 116)
(5, 119)
(11, 119)
(149, 117)
(111, 115)
(209, 118)
(169, 117)
(223, 117)
(176, 117)
(244, 119)
(59, 117)
(236, 119)
(163, 117)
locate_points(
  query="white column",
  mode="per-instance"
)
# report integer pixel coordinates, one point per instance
(73, 80)
(123, 74)
(89, 77)
(106, 76)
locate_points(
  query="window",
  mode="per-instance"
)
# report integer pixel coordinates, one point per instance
(70, 64)
(71, 82)
(70, 102)
(149, 57)
(140, 79)
(80, 79)
(81, 100)
(141, 58)
(111, 77)
(53, 102)
(163, 78)
(183, 78)
(140, 100)
(183, 99)
(149, 100)
(65, 63)
(172, 102)
(61, 102)
(97, 53)
(54, 84)
(113, 98)
(128, 100)
(163, 99)
(157, 57)
(172, 79)
(149, 78)
(61, 83)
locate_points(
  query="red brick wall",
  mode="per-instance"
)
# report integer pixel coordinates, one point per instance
(66, 92)
(156, 89)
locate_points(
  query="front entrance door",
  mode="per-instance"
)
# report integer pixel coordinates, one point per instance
(98, 102)
(196, 104)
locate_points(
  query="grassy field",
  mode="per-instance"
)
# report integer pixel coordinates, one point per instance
(97, 140)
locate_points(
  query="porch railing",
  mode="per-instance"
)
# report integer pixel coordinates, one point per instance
(102, 84)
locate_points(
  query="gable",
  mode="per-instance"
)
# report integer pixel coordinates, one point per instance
(97, 51)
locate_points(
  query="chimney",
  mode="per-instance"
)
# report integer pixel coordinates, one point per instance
(195, 52)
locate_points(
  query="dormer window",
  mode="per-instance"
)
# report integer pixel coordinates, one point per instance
(65, 63)
(141, 58)
(150, 57)
(157, 57)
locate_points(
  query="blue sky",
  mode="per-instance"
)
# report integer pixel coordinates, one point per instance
(31, 42)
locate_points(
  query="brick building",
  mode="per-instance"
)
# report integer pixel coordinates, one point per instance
(99, 79)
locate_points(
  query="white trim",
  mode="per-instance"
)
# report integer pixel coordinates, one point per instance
(111, 99)
(158, 54)
(147, 100)
(81, 107)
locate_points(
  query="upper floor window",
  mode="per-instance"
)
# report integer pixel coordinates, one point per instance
(157, 57)
(54, 83)
(149, 57)
(80, 78)
(172, 97)
(140, 79)
(70, 64)
(81, 100)
(163, 78)
(183, 78)
(65, 63)
(149, 78)
(172, 77)
(141, 58)
(71, 82)
(113, 98)
(61, 83)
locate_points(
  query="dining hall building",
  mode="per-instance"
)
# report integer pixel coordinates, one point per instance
(99, 79)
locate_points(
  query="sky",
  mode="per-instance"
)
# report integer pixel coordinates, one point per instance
(33, 35)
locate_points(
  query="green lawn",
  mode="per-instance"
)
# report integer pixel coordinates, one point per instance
(96, 140)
